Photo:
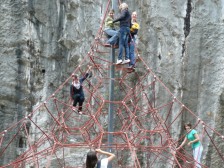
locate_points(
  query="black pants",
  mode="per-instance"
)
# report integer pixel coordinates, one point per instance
(78, 99)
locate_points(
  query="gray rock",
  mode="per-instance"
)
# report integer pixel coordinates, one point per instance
(42, 42)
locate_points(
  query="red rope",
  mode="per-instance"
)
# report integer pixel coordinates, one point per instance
(141, 116)
(221, 156)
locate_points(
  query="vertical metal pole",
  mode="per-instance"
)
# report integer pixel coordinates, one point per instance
(111, 98)
(111, 92)
(115, 6)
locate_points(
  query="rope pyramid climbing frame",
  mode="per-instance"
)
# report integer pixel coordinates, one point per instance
(147, 118)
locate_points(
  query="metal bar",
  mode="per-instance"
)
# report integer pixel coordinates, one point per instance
(111, 105)
(111, 91)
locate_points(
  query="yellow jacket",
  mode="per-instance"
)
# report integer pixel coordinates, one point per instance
(135, 26)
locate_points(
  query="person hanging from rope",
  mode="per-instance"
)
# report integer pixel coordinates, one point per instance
(132, 39)
(93, 162)
(111, 29)
(125, 23)
(194, 141)
(76, 90)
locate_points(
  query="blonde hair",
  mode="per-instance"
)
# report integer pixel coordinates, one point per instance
(134, 19)
(123, 6)
(134, 13)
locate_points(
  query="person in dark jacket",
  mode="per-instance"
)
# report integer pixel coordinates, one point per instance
(125, 24)
(76, 90)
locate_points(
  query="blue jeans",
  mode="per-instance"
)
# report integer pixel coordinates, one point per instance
(114, 36)
(123, 42)
(78, 98)
(197, 152)
(132, 51)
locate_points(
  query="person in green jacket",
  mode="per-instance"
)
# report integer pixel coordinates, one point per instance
(110, 29)
(193, 140)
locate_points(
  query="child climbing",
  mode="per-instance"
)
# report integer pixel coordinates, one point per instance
(76, 90)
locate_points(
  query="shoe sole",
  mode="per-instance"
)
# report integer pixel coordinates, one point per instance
(125, 62)
(106, 45)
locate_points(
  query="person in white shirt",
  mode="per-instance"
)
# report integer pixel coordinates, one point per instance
(92, 160)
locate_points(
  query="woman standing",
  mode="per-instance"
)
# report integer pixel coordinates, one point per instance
(125, 23)
(110, 28)
(193, 140)
(92, 160)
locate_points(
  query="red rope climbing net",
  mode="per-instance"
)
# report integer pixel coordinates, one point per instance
(147, 121)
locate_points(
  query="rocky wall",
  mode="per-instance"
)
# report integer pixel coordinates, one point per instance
(42, 41)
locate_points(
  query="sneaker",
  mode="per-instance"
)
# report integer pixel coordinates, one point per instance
(126, 61)
(76, 110)
(119, 61)
(130, 67)
(115, 46)
(107, 45)
(103, 43)
(80, 110)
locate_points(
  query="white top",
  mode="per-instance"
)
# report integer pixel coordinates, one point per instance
(104, 163)
(77, 85)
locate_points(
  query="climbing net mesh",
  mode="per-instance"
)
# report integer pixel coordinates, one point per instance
(146, 121)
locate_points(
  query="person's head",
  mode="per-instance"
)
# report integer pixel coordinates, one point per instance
(187, 126)
(91, 159)
(75, 77)
(111, 13)
(134, 15)
(123, 6)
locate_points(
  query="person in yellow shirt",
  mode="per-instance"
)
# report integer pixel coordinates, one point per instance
(132, 39)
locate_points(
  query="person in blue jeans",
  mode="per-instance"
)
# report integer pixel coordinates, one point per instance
(132, 39)
(76, 90)
(110, 28)
(193, 140)
(125, 23)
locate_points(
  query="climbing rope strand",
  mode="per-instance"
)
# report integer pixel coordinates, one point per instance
(140, 107)
(212, 141)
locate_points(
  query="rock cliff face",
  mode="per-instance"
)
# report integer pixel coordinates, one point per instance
(42, 41)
